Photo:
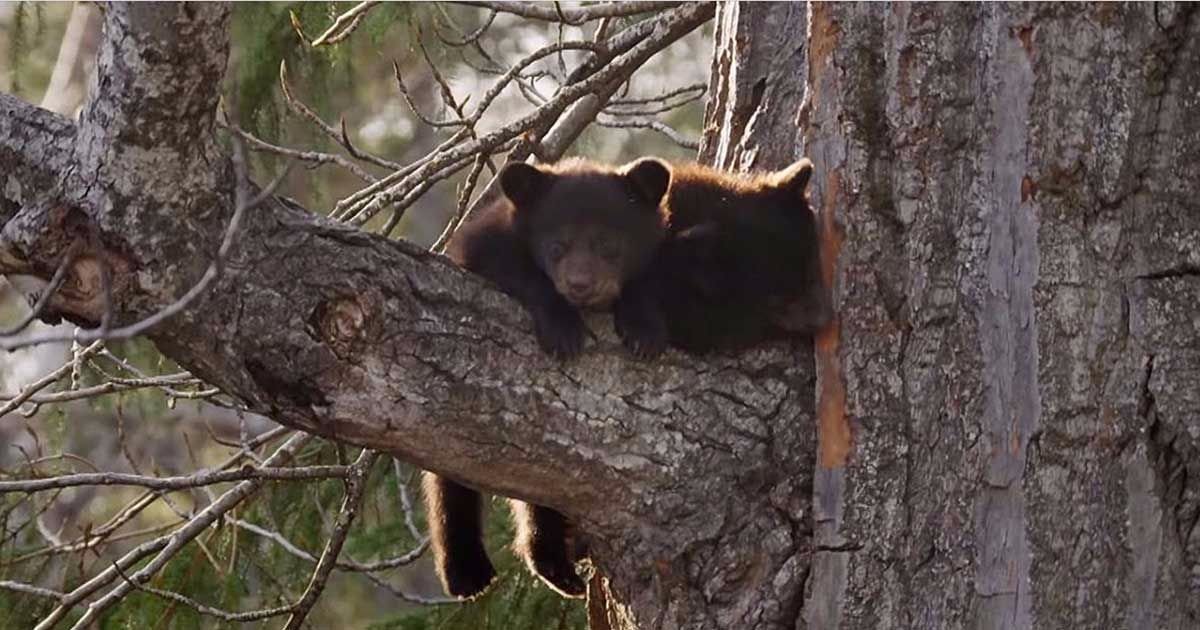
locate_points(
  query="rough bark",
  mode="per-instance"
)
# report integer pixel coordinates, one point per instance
(688, 476)
(1015, 193)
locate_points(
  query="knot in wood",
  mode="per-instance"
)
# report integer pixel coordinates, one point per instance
(85, 283)
(340, 321)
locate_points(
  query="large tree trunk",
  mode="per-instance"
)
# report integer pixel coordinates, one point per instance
(1009, 407)
(1001, 430)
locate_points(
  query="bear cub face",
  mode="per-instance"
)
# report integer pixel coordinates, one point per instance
(589, 229)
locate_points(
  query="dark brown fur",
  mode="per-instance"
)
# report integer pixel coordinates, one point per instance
(741, 261)
(564, 237)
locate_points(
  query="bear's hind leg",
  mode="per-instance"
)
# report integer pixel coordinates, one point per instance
(544, 541)
(455, 515)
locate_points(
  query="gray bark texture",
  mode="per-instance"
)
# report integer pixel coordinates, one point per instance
(1009, 407)
(1002, 429)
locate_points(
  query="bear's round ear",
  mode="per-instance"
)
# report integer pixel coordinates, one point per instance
(523, 183)
(650, 178)
(794, 178)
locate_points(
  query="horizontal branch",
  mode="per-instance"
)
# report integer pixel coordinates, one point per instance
(29, 589)
(343, 565)
(36, 147)
(179, 482)
(655, 125)
(550, 13)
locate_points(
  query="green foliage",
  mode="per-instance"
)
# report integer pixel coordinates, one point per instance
(30, 43)
(18, 46)
(264, 36)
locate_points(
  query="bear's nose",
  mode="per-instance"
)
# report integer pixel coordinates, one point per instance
(579, 286)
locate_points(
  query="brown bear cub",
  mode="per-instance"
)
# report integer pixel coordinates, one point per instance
(565, 237)
(727, 261)
(740, 265)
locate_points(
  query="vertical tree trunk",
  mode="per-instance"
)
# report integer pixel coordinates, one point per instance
(1016, 229)
(1009, 414)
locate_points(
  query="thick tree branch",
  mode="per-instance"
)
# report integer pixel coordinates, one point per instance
(35, 152)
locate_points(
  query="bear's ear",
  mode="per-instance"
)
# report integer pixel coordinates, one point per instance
(650, 178)
(794, 178)
(523, 183)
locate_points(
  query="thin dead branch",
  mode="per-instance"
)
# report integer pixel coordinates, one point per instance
(29, 589)
(463, 39)
(332, 132)
(43, 297)
(42, 383)
(656, 125)
(344, 24)
(573, 16)
(202, 478)
(317, 158)
(355, 486)
(165, 547)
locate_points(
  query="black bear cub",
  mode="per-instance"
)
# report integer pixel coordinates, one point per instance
(740, 265)
(565, 237)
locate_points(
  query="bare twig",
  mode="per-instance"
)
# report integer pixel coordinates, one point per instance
(358, 209)
(165, 547)
(515, 70)
(464, 198)
(355, 485)
(342, 565)
(316, 157)
(47, 380)
(105, 533)
(124, 385)
(463, 39)
(526, 80)
(602, 29)
(406, 504)
(413, 195)
(335, 134)
(656, 125)
(693, 91)
(344, 24)
(180, 482)
(43, 299)
(140, 378)
(408, 597)
(30, 589)
(575, 16)
(203, 609)
(342, 207)
(412, 105)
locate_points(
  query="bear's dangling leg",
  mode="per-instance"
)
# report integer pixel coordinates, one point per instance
(544, 541)
(455, 515)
